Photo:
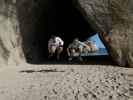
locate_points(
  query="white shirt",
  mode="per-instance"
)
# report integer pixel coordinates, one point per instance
(59, 41)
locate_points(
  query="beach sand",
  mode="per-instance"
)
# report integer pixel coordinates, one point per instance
(66, 82)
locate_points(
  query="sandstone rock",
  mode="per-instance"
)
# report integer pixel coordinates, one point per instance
(112, 16)
(18, 22)
(10, 39)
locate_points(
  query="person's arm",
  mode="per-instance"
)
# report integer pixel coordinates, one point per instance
(82, 43)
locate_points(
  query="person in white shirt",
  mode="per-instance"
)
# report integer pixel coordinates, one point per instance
(59, 41)
(55, 43)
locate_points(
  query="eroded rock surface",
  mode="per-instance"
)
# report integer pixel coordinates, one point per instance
(112, 16)
(10, 38)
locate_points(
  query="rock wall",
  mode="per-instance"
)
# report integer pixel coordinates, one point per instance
(112, 16)
(10, 39)
(18, 22)
(26, 13)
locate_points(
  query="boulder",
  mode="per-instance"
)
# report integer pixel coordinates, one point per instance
(113, 16)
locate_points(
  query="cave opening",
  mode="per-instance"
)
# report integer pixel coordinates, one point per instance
(63, 19)
(53, 17)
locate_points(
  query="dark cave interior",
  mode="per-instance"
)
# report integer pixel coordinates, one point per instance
(63, 20)
(54, 17)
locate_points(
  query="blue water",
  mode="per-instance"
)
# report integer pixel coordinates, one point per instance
(95, 38)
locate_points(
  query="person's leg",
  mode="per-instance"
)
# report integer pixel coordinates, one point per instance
(59, 51)
(80, 51)
(72, 53)
(51, 50)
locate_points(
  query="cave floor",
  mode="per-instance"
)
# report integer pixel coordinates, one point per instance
(66, 82)
(87, 60)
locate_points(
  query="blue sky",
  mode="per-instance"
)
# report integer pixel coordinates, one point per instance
(97, 41)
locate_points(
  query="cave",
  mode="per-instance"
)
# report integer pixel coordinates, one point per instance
(63, 20)
(50, 17)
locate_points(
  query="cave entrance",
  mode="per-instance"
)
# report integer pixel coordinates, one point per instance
(60, 18)
(55, 17)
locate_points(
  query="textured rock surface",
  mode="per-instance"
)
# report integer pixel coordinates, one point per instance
(112, 16)
(17, 27)
(68, 82)
(10, 39)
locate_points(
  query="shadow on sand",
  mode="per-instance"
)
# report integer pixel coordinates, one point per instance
(41, 71)
(88, 60)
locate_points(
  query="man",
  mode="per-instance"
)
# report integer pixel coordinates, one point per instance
(59, 48)
(51, 46)
(55, 44)
(75, 49)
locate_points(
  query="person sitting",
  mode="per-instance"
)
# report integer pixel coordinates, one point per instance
(60, 44)
(55, 44)
(75, 49)
(92, 46)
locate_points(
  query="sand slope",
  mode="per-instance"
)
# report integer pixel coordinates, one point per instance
(66, 82)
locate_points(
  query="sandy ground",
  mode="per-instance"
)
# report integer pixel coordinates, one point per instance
(66, 82)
